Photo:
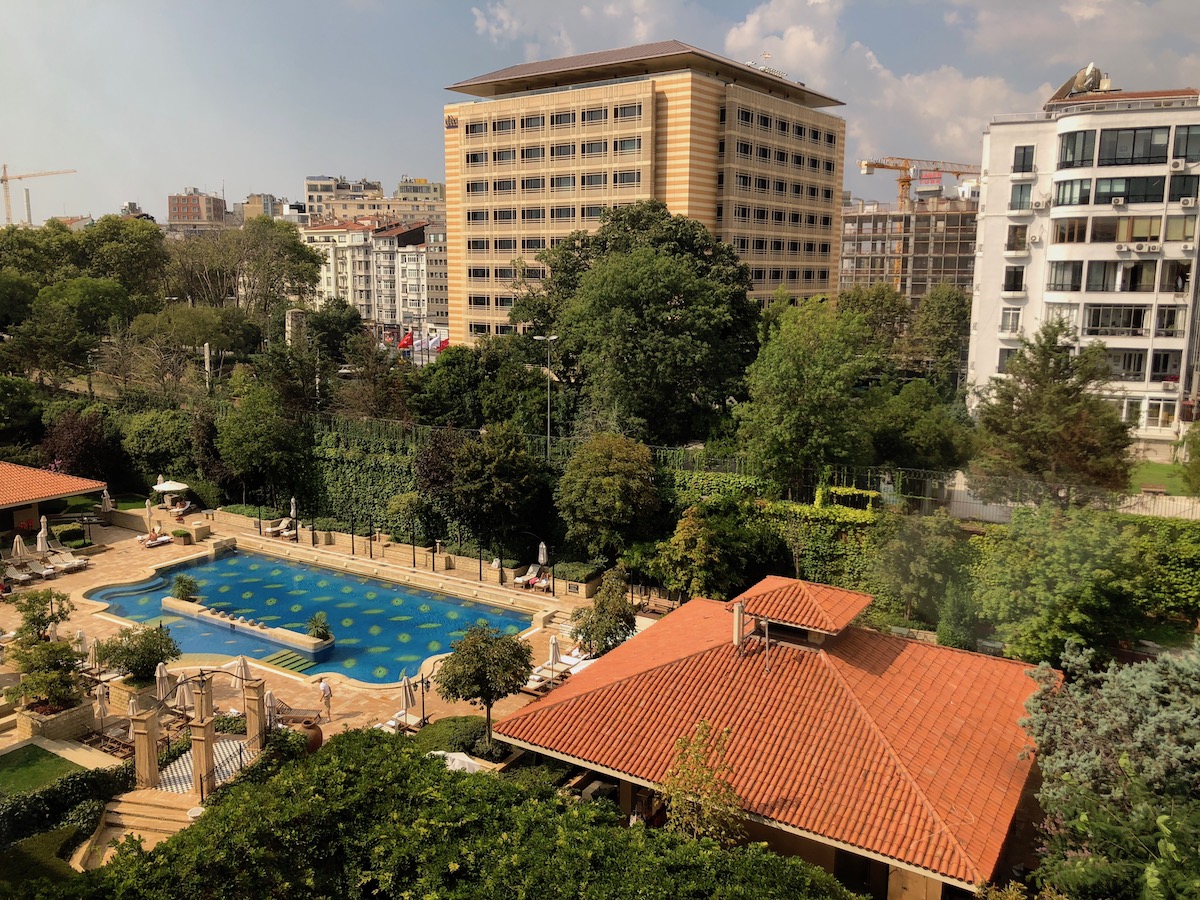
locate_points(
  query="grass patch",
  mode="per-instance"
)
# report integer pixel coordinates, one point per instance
(30, 768)
(130, 502)
(37, 857)
(1168, 474)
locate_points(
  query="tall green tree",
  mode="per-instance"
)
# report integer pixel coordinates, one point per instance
(938, 335)
(499, 487)
(262, 446)
(701, 801)
(1057, 576)
(1044, 425)
(84, 442)
(606, 495)
(610, 620)
(919, 563)
(709, 554)
(332, 327)
(159, 441)
(485, 666)
(379, 385)
(915, 427)
(1121, 777)
(274, 264)
(17, 293)
(807, 394)
(447, 392)
(131, 252)
(884, 311)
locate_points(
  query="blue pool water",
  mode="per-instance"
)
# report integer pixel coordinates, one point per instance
(382, 630)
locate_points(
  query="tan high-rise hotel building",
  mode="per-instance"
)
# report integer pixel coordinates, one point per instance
(548, 145)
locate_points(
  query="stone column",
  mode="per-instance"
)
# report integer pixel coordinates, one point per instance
(145, 748)
(203, 737)
(256, 715)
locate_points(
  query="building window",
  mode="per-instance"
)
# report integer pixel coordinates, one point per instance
(1132, 190)
(504, 156)
(533, 185)
(797, 161)
(504, 301)
(562, 212)
(1020, 196)
(591, 212)
(627, 178)
(743, 149)
(780, 187)
(630, 145)
(761, 185)
(507, 214)
(592, 180)
(477, 187)
(1187, 143)
(562, 183)
(1010, 320)
(634, 111)
(781, 157)
(530, 123)
(741, 213)
(1176, 275)
(1014, 278)
(505, 273)
(1070, 231)
(476, 128)
(478, 328)
(1160, 413)
(533, 243)
(1023, 158)
(533, 213)
(741, 181)
(478, 300)
(594, 148)
(1102, 275)
(477, 159)
(477, 215)
(504, 185)
(505, 245)
(1006, 354)
(562, 151)
(1181, 228)
(1017, 237)
(528, 153)
(1133, 146)
(783, 126)
(477, 246)
(1170, 321)
(745, 117)
(1066, 276)
(764, 153)
(562, 119)
(799, 131)
(1183, 186)
(1110, 320)
(504, 125)
(1076, 149)
(595, 115)
(1073, 193)
(478, 272)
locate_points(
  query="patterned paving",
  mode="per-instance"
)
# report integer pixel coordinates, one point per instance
(229, 757)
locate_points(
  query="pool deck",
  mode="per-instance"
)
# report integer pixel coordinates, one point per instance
(355, 704)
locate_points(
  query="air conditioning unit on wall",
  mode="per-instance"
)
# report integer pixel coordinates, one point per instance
(1187, 201)
(1034, 239)
(1178, 165)
(1120, 248)
(1118, 201)
(1038, 204)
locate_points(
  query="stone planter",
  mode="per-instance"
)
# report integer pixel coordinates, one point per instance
(64, 726)
(119, 694)
(185, 539)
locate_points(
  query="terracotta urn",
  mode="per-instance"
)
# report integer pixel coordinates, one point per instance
(315, 736)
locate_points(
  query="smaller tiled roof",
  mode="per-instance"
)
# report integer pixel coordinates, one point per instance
(22, 485)
(803, 604)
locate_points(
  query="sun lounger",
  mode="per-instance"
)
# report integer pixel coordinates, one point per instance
(17, 576)
(278, 527)
(180, 511)
(158, 541)
(287, 533)
(285, 713)
(531, 574)
(67, 561)
(404, 721)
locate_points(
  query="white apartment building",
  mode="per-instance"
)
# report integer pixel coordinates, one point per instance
(394, 275)
(1088, 214)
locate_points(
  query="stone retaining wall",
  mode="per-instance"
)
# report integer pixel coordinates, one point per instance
(63, 726)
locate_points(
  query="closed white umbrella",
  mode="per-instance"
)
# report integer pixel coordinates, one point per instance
(93, 661)
(241, 673)
(162, 682)
(149, 514)
(102, 704)
(52, 631)
(183, 697)
(555, 656)
(132, 710)
(105, 502)
(294, 516)
(43, 537)
(81, 641)
(543, 556)
(408, 694)
(269, 706)
(19, 550)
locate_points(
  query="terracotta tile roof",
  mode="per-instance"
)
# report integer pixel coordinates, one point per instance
(21, 485)
(803, 604)
(900, 748)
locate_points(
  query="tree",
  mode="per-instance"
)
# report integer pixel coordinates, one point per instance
(39, 610)
(50, 668)
(806, 394)
(447, 392)
(709, 553)
(1117, 750)
(1057, 576)
(274, 264)
(93, 302)
(915, 428)
(51, 344)
(919, 563)
(20, 410)
(380, 384)
(332, 327)
(131, 252)
(485, 666)
(159, 441)
(701, 802)
(939, 334)
(260, 445)
(137, 651)
(499, 486)
(1191, 464)
(433, 467)
(882, 308)
(17, 293)
(610, 620)
(84, 442)
(606, 495)
(1044, 426)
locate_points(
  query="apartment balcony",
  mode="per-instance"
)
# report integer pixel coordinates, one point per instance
(1013, 294)
(1015, 251)
(1031, 175)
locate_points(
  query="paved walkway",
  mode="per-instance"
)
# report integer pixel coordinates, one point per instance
(229, 757)
(355, 704)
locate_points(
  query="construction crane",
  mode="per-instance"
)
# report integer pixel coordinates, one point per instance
(5, 178)
(911, 168)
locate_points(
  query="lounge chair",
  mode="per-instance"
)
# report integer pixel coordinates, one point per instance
(285, 713)
(287, 533)
(279, 527)
(403, 721)
(67, 561)
(16, 576)
(181, 510)
(158, 541)
(531, 574)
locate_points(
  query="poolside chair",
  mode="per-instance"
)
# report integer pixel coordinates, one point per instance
(16, 576)
(403, 721)
(181, 510)
(158, 541)
(532, 573)
(286, 714)
(280, 526)
(67, 561)
(287, 533)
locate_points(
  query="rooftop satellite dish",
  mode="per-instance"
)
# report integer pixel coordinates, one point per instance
(1086, 79)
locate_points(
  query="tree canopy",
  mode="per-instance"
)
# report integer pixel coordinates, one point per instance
(484, 666)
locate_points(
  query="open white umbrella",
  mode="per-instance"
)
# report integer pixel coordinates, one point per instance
(43, 537)
(543, 556)
(131, 710)
(105, 502)
(408, 694)
(162, 682)
(170, 487)
(183, 697)
(102, 704)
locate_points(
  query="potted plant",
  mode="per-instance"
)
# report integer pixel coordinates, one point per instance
(182, 536)
(136, 652)
(318, 626)
(184, 587)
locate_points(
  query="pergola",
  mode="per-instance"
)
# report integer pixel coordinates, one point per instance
(23, 488)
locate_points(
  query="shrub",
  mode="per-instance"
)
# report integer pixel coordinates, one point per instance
(51, 679)
(494, 751)
(317, 626)
(184, 587)
(456, 734)
(326, 523)
(137, 652)
(22, 815)
(181, 533)
(68, 531)
(251, 511)
(76, 545)
(580, 571)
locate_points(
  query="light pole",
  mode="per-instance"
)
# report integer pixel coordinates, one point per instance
(549, 339)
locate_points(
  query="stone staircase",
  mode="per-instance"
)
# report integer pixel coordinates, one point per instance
(287, 659)
(150, 815)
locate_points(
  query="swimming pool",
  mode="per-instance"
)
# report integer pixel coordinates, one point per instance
(382, 630)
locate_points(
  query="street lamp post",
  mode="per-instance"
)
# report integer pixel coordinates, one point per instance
(549, 339)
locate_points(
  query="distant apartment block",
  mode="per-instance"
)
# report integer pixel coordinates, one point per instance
(926, 243)
(330, 199)
(262, 205)
(545, 147)
(194, 211)
(1088, 215)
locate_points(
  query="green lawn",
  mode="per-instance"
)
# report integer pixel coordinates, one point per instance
(1169, 474)
(30, 768)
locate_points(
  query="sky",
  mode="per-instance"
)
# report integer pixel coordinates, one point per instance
(146, 98)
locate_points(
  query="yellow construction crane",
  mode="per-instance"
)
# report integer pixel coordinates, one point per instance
(5, 178)
(912, 168)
